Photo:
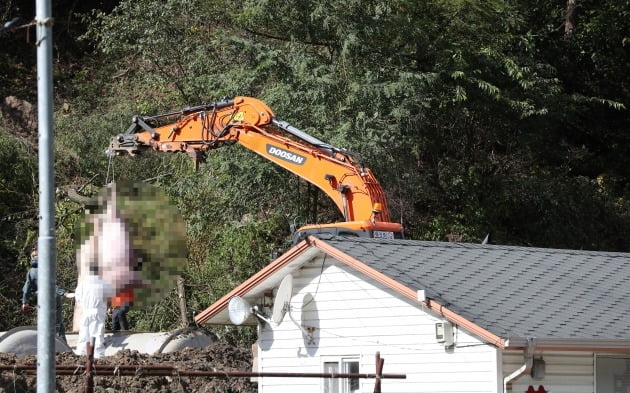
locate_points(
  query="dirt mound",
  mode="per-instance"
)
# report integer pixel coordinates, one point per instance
(21, 118)
(217, 357)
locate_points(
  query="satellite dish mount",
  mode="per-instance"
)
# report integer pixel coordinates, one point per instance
(282, 306)
(240, 310)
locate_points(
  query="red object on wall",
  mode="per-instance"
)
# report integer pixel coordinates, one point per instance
(541, 389)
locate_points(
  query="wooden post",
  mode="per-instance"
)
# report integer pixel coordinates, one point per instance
(181, 293)
(379, 372)
(89, 378)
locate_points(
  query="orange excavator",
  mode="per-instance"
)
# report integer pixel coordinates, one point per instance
(251, 123)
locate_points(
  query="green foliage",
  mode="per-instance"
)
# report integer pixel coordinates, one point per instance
(570, 211)
(237, 252)
(18, 220)
(17, 185)
(158, 237)
(476, 116)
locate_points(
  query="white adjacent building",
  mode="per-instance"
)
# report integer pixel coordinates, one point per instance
(452, 317)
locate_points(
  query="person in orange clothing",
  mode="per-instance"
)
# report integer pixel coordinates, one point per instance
(120, 304)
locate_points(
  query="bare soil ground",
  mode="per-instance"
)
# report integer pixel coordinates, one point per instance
(217, 357)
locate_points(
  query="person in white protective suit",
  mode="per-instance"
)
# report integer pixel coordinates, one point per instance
(92, 294)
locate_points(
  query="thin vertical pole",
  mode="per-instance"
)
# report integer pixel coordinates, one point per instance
(89, 366)
(379, 372)
(46, 242)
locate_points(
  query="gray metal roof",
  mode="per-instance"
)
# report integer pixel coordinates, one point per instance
(510, 291)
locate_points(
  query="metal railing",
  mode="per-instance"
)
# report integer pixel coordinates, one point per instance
(92, 369)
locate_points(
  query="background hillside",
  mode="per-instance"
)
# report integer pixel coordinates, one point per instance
(478, 117)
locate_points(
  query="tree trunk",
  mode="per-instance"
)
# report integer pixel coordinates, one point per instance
(569, 20)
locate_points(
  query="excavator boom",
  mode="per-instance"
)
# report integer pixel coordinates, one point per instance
(251, 123)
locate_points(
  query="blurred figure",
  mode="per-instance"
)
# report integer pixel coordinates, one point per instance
(30, 286)
(120, 307)
(92, 295)
(109, 248)
(109, 245)
(138, 240)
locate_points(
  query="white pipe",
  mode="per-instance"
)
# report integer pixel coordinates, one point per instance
(528, 354)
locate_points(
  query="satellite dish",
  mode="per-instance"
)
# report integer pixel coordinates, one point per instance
(282, 302)
(239, 310)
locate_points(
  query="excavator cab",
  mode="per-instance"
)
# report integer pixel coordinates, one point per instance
(393, 232)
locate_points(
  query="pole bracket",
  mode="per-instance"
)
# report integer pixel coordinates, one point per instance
(46, 22)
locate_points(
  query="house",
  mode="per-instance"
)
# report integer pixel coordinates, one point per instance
(453, 317)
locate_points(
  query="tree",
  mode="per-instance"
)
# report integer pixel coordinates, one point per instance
(477, 117)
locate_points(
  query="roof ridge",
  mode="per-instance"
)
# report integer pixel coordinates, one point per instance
(442, 244)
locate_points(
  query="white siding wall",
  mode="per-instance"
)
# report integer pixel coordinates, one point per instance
(356, 316)
(566, 372)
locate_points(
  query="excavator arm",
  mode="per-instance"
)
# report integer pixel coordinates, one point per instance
(251, 123)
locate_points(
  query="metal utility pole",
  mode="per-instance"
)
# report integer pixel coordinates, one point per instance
(46, 242)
